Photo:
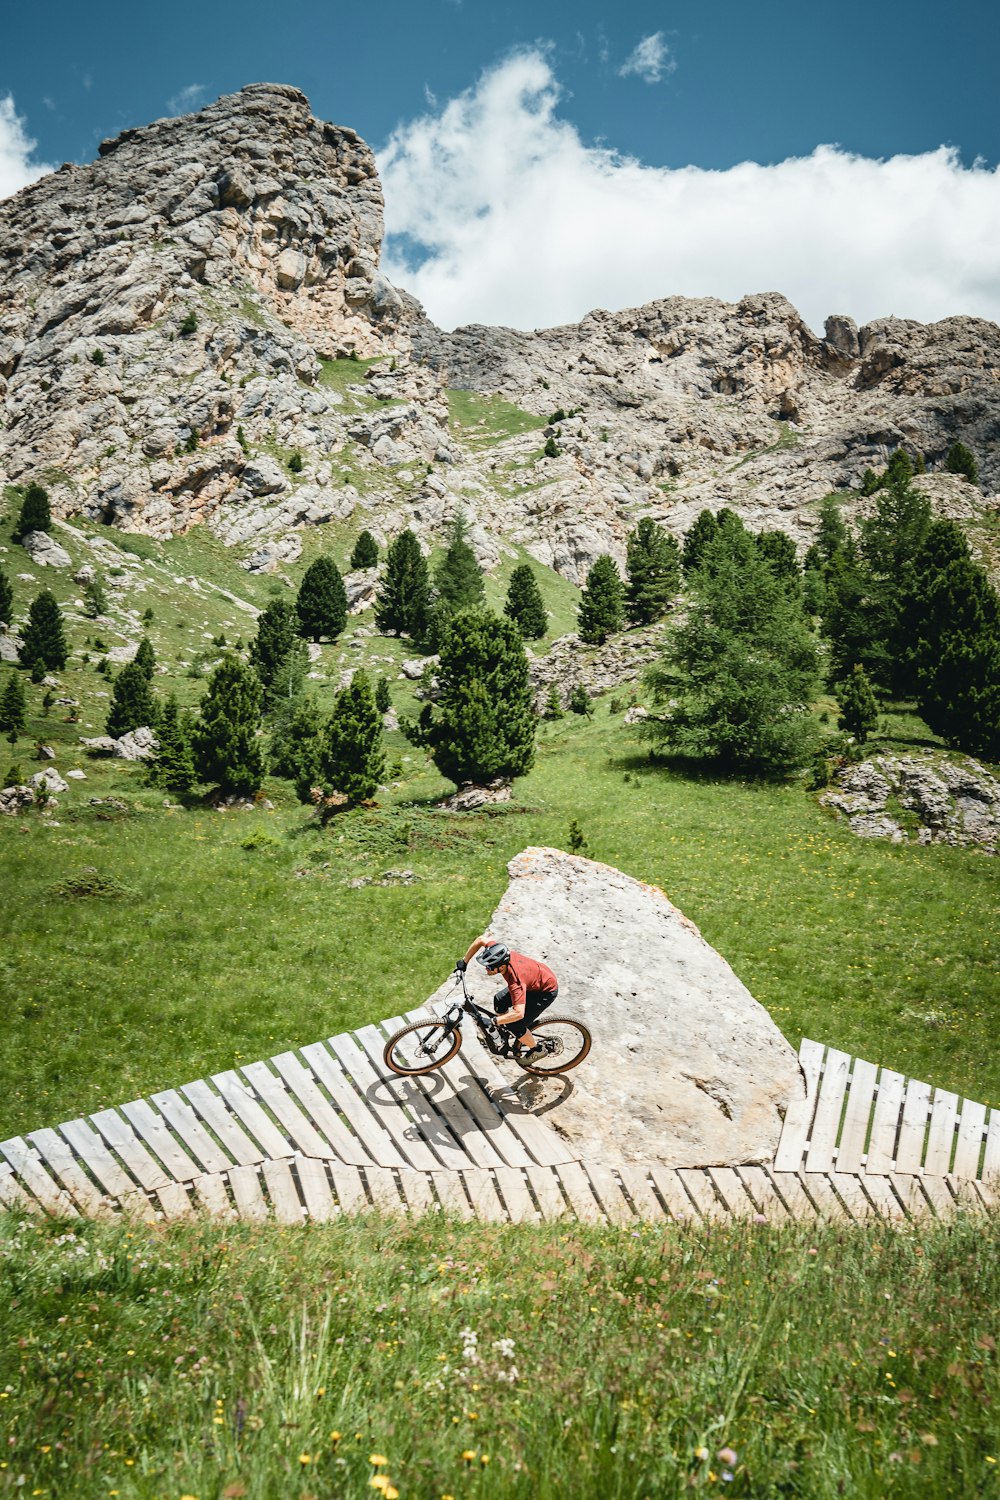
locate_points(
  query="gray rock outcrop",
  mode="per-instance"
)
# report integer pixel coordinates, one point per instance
(45, 551)
(687, 1068)
(929, 799)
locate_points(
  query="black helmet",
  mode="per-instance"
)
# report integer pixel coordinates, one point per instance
(494, 956)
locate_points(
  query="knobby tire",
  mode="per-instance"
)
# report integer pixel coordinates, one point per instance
(573, 1032)
(405, 1063)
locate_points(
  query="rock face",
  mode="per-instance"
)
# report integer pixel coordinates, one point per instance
(686, 1068)
(928, 798)
(203, 304)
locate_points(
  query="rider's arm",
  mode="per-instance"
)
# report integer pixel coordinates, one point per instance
(480, 942)
(518, 997)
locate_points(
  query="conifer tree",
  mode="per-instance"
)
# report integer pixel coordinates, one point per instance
(403, 604)
(697, 537)
(227, 750)
(579, 701)
(36, 514)
(899, 469)
(289, 680)
(383, 696)
(458, 578)
(6, 600)
(95, 600)
(172, 766)
(145, 657)
(832, 533)
(961, 460)
(653, 563)
(778, 550)
(132, 702)
(553, 704)
(44, 642)
(13, 707)
(482, 723)
(889, 543)
(602, 603)
(858, 705)
(277, 633)
(524, 604)
(351, 759)
(322, 601)
(365, 554)
(295, 744)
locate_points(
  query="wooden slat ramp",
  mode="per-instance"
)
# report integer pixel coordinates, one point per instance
(327, 1130)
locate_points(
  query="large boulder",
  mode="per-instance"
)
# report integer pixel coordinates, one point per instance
(687, 1069)
(44, 551)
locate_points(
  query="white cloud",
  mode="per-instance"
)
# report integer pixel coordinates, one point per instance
(187, 99)
(16, 167)
(649, 59)
(517, 221)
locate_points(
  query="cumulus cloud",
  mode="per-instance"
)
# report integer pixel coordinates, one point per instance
(649, 59)
(16, 147)
(187, 99)
(498, 212)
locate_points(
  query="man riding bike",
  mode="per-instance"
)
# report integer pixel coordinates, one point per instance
(529, 988)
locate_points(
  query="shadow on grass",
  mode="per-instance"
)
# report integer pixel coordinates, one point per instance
(694, 768)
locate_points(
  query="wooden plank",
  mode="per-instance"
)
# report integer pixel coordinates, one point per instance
(733, 1192)
(122, 1138)
(828, 1205)
(609, 1192)
(885, 1124)
(941, 1135)
(913, 1126)
(417, 1191)
(217, 1115)
(88, 1145)
(343, 1144)
(991, 1156)
(698, 1186)
(350, 1190)
(27, 1163)
(451, 1194)
(174, 1201)
(971, 1129)
(140, 1206)
(461, 1073)
(355, 1109)
(182, 1119)
(385, 1193)
(763, 1192)
(672, 1192)
(485, 1200)
(854, 1131)
(799, 1115)
(907, 1188)
(988, 1195)
(829, 1106)
(13, 1195)
(941, 1200)
(383, 1104)
(429, 1103)
(879, 1189)
(442, 1096)
(315, 1187)
(283, 1193)
(153, 1129)
(576, 1186)
(272, 1093)
(518, 1201)
(635, 1180)
(849, 1189)
(60, 1160)
(245, 1183)
(210, 1191)
(244, 1106)
(793, 1194)
(966, 1194)
(548, 1195)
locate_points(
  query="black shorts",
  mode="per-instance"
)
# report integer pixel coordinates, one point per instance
(536, 1001)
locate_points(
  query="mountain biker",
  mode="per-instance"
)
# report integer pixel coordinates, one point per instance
(529, 988)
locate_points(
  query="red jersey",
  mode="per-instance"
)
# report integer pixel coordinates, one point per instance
(526, 975)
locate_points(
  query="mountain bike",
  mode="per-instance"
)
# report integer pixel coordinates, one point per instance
(425, 1045)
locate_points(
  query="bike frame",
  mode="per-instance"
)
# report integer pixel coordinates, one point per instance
(486, 1023)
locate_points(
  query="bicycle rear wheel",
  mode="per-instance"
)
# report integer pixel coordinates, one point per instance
(567, 1043)
(422, 1047)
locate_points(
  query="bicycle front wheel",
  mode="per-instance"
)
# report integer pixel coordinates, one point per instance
(422, 1047)
(566, 1044)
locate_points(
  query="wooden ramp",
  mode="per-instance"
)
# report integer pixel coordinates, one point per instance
(327, 1130)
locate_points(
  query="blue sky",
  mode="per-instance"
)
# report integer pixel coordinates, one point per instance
(648, 115)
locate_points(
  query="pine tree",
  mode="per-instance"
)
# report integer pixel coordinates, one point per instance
(95, 600)
(44, 642)
(322, 601)
(403, 604)
(289, 680)
(6, 600)
(13, 707)
(277, 633)
(653, 563)
(145, 657)
(778, 550)
(697, 537)
(890, 541)
(832, 534)
(36, 514)
(351, 758)
(961, 460)
(295, 744)
(740, 672)
(858, 705)
(458, 578)
(602, 603)
(899, 469)
(132, 702)
(383, 696)
(227, 750)
(524, 604)
(172, 766)
(482, 723)
(553, 704)
(365, 554)
(579, 701)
